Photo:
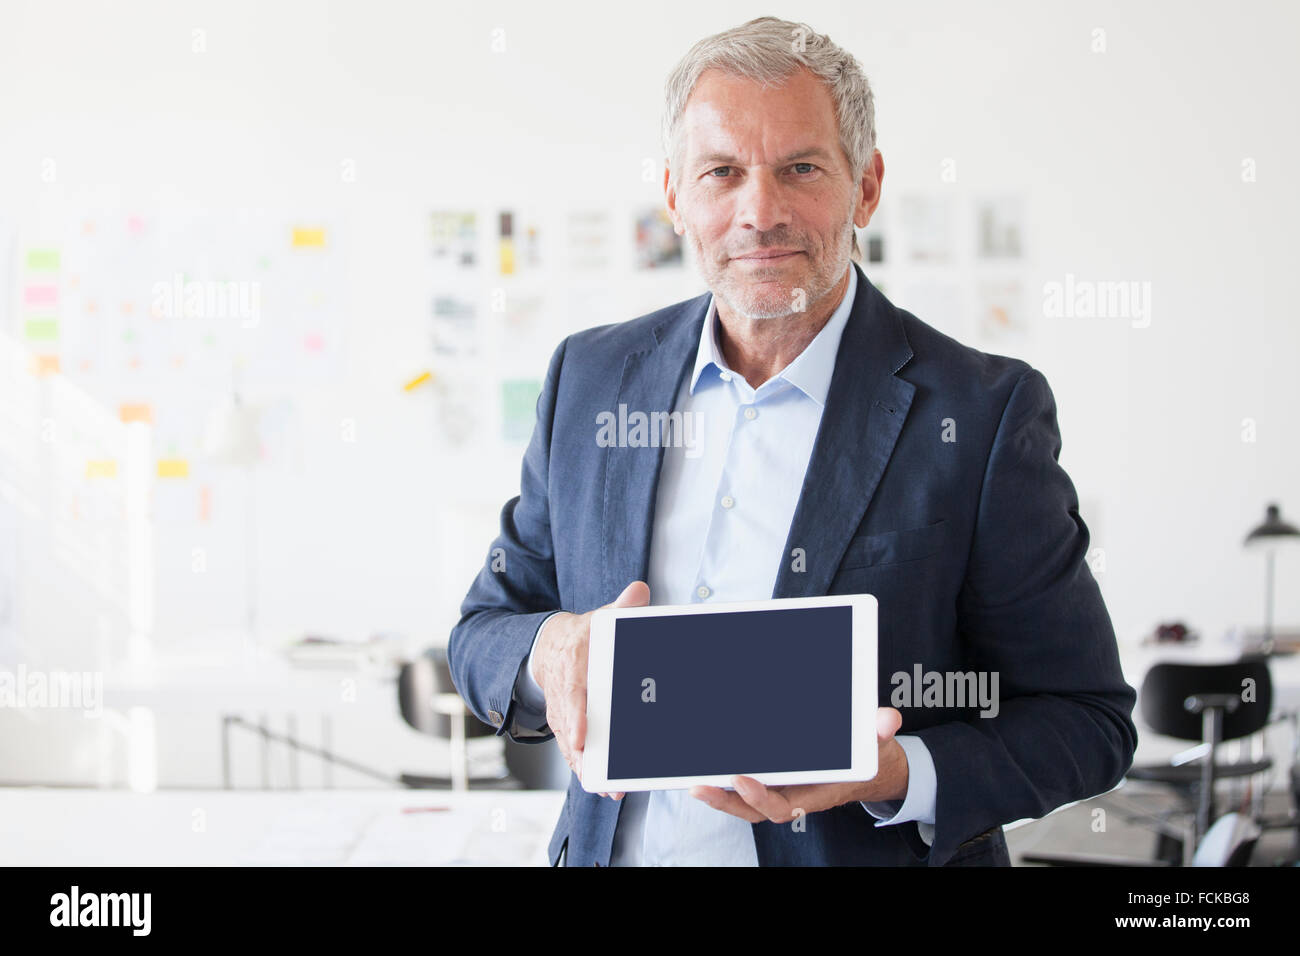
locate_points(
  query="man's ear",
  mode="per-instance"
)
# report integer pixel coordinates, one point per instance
(670, 197)
(869, 190)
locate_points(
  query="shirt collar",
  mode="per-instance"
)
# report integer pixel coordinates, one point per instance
(811, 370)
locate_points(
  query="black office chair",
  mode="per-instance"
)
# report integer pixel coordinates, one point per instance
(528, 766)
(1209, 703)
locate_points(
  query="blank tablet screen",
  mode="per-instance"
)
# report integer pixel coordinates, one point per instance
(734, 692)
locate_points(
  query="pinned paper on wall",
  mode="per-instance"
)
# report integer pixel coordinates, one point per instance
(455, 238)
(657, 244)
(454, 330)
(522, 318)
(1000, 228)
(871, 244)
(590, 233)
(519, 242)
(926, 228)
(1001, 309)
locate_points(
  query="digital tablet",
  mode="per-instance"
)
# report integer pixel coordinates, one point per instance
(783, 691)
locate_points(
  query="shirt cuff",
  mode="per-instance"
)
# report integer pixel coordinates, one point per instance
(922, 791)
(527, 691)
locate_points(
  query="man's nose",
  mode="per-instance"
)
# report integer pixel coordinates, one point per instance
(764, 204)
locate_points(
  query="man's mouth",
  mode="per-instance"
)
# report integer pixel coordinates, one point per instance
(770, 256)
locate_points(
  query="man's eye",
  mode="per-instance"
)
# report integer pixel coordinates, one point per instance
(724, 168)
(804, 172)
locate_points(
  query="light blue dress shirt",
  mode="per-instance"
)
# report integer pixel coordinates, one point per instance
(723, 512)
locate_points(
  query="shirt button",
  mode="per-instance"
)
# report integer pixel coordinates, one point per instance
(728, 501)
(751, 413)
(702, 591)
(725, 376)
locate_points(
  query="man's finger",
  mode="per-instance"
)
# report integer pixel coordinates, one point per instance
(727, 802)
(636, 594)
(888, 720)
(771, 803)
(578, 731)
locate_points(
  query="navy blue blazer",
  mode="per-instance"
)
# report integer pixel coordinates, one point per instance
(974, 548)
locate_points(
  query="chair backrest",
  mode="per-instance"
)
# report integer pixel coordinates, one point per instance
(1167, 686)
(417, 682)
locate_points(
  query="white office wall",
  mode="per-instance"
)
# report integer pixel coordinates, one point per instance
(1130, 161)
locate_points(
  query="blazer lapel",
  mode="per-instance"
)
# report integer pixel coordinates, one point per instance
(651, 380)
(865, 410)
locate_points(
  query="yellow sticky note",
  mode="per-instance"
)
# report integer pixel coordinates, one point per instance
(104, 468)
(135, 413)
(173, 468)
(418, 380)
(304, 237)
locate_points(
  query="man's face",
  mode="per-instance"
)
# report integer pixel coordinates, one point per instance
(765, 192)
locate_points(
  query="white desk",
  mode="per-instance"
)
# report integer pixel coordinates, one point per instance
(75, 827)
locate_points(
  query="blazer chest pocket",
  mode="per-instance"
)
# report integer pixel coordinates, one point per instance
(894, 547)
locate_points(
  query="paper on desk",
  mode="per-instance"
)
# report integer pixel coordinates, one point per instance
(481, 836)
(312, 835)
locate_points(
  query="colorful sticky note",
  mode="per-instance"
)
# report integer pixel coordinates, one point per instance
(173, 468)
(518, 408)
(304, 237)
(43, 260)
(140, 412)
(45, 365)
(41, 330)
(101, 468)
(41, 294)
(314, 342)
(418, 381)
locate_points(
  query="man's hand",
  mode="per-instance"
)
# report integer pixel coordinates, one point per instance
(756, 803)
(560, 666)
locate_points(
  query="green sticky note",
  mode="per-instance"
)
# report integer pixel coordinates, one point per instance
(43, 260)
(41, 330)
(518, 408)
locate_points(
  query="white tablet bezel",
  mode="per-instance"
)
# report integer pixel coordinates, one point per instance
(600, 677)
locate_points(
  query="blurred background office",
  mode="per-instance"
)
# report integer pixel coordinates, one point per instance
(278, 285)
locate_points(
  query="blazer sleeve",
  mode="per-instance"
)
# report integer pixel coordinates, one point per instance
(1030, 611)
(514, 592)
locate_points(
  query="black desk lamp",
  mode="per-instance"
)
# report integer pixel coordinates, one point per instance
(1273, 532)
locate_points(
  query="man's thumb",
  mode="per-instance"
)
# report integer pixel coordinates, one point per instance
(636, 594)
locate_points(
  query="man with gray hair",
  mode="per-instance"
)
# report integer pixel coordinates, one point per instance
(847, 447)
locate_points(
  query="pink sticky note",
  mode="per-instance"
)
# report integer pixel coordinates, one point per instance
(41, 294)
(314, 342)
